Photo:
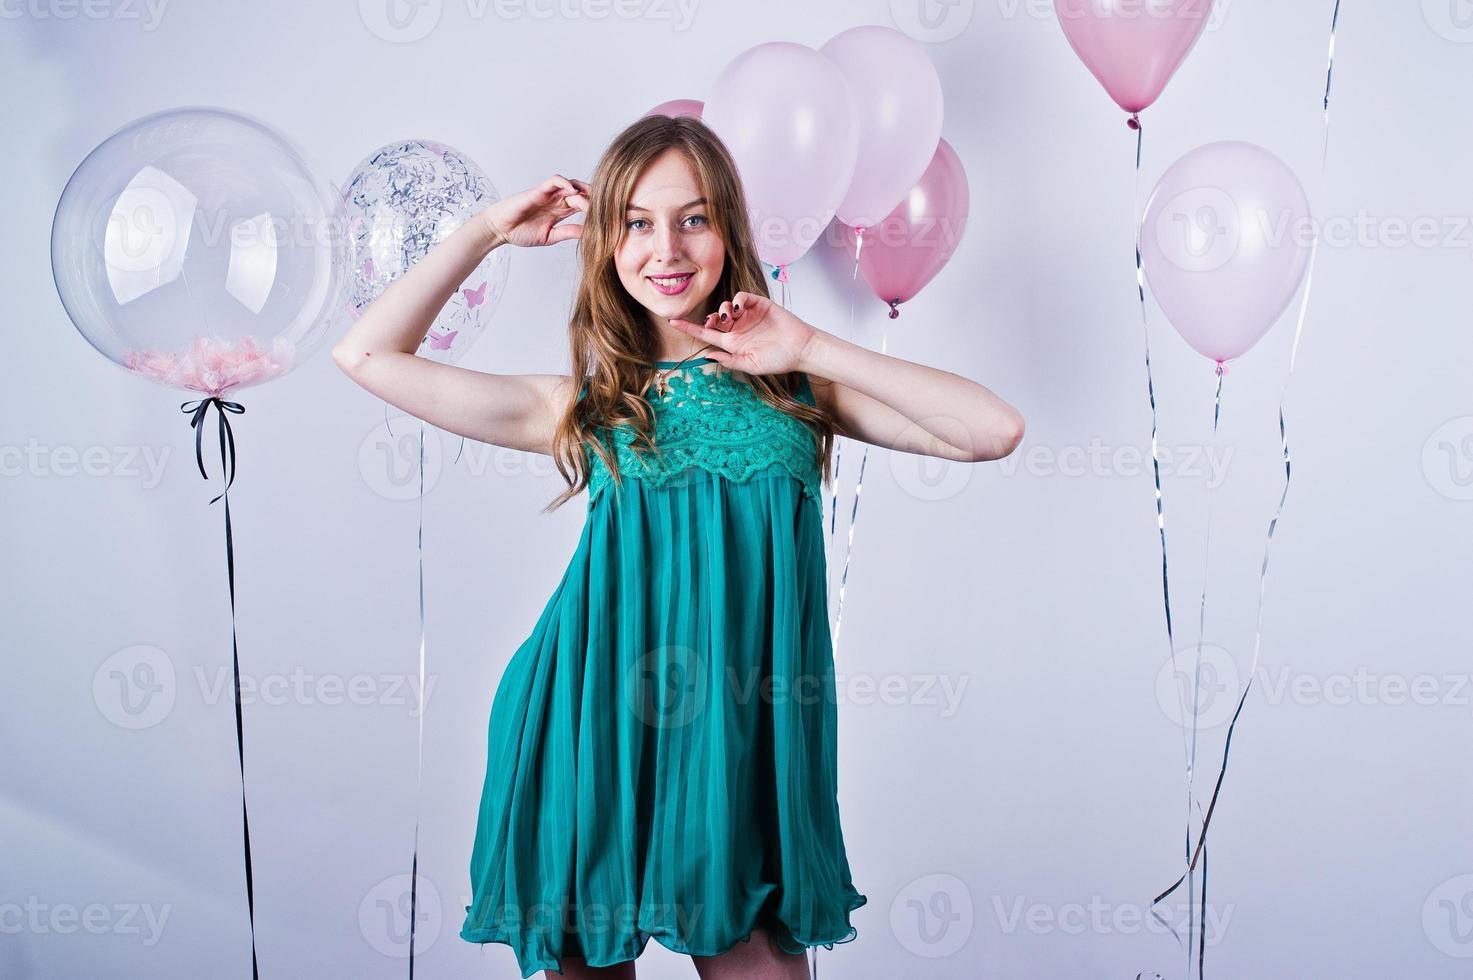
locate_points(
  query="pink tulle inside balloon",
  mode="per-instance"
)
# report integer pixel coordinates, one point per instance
(214, 366)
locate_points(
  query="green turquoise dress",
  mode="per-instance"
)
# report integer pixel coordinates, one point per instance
(661, 755)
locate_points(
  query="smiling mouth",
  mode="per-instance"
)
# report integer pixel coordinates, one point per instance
(672, 285)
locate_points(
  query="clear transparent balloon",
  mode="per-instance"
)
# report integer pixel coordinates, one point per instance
(197, 247)
(403, 200)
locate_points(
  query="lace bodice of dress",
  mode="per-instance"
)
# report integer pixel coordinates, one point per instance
(712, 419)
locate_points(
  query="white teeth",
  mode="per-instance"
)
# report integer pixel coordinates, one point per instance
(669, 283)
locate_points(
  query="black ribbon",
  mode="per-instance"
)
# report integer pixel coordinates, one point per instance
(197, 410)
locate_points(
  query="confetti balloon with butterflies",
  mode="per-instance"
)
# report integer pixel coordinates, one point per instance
(403, 200)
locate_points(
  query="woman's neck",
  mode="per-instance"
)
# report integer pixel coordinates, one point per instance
(675, 345)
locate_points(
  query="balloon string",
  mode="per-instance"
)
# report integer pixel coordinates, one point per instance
(1196, 926)
(420, 746)
(1201, 925)
(839, 442)
(390, 429)
(1206, 566)
(196, 410)
(1200, 850)
(780, 276)
(1329, 79)
(839, 448)
(1140, 278)
(853, 515)
(1268, 544)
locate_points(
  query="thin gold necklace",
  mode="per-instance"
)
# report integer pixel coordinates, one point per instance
(662, 375)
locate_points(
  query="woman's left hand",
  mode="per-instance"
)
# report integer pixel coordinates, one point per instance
(753, 335)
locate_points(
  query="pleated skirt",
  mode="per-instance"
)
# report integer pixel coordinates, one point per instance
(661, 755)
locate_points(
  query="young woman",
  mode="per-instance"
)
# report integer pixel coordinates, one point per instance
(661, 751)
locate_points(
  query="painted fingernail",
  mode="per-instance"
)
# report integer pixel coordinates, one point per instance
(723, 318)
(736, 306)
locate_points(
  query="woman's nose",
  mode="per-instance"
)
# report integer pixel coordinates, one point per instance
(667, 244)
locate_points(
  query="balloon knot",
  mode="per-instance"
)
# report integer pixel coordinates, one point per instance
(781, 275)
(1221, 369)
(1134, 122)
(894, 311)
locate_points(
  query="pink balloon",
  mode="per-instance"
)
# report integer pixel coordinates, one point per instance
(788, 118)
(906, 250)
(677, 108)
(1133, 46)
(898, 93)
(1225, 243)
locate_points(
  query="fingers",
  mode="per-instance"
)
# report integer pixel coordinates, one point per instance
(574, 193)
(736, 307)
(562, 233)
(714, 337)
(729, 314)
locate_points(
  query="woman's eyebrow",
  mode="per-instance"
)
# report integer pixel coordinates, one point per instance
(699, 200)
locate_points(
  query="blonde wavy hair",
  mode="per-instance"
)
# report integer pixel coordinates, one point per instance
(614, 348)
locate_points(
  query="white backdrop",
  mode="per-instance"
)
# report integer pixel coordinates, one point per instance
(1011, 781)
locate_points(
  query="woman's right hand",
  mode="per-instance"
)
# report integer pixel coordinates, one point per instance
(531, 217)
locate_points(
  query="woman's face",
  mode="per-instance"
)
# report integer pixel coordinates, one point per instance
(670, 257)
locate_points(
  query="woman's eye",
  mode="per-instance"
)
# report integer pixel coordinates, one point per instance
(630, 224)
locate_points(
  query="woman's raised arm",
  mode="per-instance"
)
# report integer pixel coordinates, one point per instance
(518, 411)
